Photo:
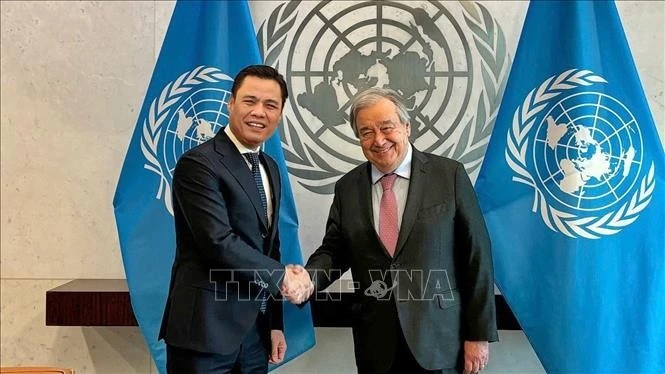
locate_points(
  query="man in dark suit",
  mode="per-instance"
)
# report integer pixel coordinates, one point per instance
(221, 315)
(409, 227)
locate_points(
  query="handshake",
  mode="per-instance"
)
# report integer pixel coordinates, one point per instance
(296, 287)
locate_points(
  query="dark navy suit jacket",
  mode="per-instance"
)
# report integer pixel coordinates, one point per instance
(226, 252)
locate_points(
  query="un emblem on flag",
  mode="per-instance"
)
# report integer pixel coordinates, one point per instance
(189, 111)
(582, 152)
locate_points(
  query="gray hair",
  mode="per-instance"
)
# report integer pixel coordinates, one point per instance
(370, 97)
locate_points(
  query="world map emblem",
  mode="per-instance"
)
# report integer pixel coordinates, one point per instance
(582, 152)
(446, 60)
(189, 111)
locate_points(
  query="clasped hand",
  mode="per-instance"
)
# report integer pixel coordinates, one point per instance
(297, 287)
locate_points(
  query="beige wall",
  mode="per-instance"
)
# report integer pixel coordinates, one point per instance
(73, 77)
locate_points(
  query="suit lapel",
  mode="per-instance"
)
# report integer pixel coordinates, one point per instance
(276, 189)
(414, 197)
(365, 205)
(365, 197)
(237, 165)
(275, 184)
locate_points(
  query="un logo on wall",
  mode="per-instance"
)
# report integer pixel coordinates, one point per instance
(582, 152)
(422, 50)
(188, 112)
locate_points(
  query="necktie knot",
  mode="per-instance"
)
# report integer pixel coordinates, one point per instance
(253, 158)
(387, 181)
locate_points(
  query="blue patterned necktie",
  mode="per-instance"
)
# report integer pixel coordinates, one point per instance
(253, 158)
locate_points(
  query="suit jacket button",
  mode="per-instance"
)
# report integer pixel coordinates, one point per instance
(264, 235)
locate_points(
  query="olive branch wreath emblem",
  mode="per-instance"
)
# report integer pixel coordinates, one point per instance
(160, 109)
(571, 225)
(490, 43)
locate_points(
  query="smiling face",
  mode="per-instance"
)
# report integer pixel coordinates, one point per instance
(255, 110)
(384, 139)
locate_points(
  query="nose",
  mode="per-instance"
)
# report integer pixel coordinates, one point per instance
(258, 110)
(379, 139)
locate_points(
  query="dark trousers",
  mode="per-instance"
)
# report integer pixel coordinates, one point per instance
(405, 362)
(250, 358)
(402, 358)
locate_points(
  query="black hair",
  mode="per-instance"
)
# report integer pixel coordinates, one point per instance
(263, 72)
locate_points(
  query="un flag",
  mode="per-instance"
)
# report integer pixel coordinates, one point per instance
(206, 44)
(572, 188)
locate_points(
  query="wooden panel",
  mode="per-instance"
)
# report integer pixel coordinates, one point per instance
(90, 302)
(105, 302)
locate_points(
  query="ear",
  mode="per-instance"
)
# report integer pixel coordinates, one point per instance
(408, 129)
(230, 104)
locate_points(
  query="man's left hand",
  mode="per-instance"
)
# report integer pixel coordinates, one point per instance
(278, 343)
(476, 355)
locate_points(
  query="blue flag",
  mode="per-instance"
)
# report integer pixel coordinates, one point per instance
(206, 44)
(573, 191)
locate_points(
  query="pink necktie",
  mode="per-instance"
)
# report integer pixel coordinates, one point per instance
(388, 229)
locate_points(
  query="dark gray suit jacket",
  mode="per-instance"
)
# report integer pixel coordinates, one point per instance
(443, 257)
(225, 254)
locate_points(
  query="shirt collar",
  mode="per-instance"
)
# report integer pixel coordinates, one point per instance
(241, 148)
(403, 170)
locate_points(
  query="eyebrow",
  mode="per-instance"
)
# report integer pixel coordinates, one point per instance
(382, 123)
(252, 97)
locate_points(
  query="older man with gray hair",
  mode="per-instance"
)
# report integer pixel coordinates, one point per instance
(409, 222)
